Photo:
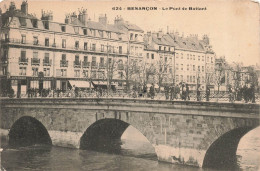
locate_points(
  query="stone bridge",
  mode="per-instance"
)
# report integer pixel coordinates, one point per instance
(184, 132)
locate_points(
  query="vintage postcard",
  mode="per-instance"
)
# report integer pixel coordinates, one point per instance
(129, 85)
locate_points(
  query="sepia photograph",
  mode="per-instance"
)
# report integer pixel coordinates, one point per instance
(138, 85)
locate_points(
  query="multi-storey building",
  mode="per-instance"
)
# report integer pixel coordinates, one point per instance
(191, 60)
(43, 54)
(159, 59)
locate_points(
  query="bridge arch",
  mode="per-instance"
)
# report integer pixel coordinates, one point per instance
(221, 154)
(28, 131)
(105, 135)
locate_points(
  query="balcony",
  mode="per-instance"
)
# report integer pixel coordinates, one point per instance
(23, 61)
(64, 63)
(120, 67)
(85, 64)
(47, 62)
(35, 61)
(77, 64)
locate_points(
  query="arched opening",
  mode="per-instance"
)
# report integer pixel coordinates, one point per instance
(222, 153)
(117, 137)
(248, 150)
(28, 131)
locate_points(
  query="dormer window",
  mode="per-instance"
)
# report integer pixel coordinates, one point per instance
(76, 29)
(22, 21)
(63, 28)
(46, 25)
(101, 33)
(35, 23)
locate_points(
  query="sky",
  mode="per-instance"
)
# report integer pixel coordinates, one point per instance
(232, 25)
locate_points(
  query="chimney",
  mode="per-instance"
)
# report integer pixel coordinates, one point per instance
(159, 34)
(80, 17)
(12, 6)
(118, 20)
(206, 39)
(47, 15)
(67, 19)
(103, 19)
(84, 16)
(24, 7)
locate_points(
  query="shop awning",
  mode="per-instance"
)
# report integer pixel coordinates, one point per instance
(79, 84)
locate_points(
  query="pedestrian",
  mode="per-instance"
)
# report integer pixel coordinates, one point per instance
(172, 92)
(187, 92)
(207, 93)
(198, 93)
(152, 91)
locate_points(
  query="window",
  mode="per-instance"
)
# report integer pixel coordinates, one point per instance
(109, 34)
(152, 56)
(182, 67)
(202, 68)
(63, 28)
(63, 57)
(35, 40)
(93, 47)
(177, 78)
(165, 59)
(93, 74)
(164, 48)
(63, 43)
(77, 58)
(63, 72)
(23, 39)
(181, 56)
(35, 23)
(136, 36)
(23, 55)
(101, 74)
(147, 55)
(160, 48)
(120, 50)
(198, 58)
(46, 25)
(211, 59)
(207, 59)
(94, 60)
(85, 58)
(193, 67)
(102, 48)
(47, 42)
(102, 62)
(22, 71)
(35, 55)
(76, 73)
(85, 32)
(177, 55)
(131, 36)
(85, 73)
(188, 56)
(188, 67)
(46, 56)
(169, 49)
(76, 44)
(177, 66)
(46, 71)
(193, 79)
(101, 33)
(85, 45)
(199, 68)
(202, 58)
(193, 57)
(35, 71)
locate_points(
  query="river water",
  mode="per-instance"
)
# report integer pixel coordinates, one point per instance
(134, 155)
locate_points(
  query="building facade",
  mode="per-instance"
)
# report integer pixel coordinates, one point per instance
(190, 60)
(43, 54)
